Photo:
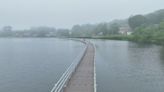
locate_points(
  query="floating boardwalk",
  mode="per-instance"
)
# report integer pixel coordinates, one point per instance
(80, 76)
(83, 78)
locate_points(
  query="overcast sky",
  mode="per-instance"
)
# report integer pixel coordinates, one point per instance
(65, 13)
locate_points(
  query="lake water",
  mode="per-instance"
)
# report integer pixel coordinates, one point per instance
(124, 66)
(34, 64)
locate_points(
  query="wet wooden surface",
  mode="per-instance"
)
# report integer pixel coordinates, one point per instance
(83, 79)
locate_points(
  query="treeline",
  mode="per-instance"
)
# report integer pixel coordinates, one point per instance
(84, 30)
(144, 28)
(148, 28)
(98, 30)
(42, 31)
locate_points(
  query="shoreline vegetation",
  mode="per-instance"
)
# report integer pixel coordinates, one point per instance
(147, 28)
(156, 40)
(112, 37)
(127, 38)
(133, 38)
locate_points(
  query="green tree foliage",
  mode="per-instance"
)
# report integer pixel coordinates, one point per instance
(155, 17)
(136, 21)
(62, 33)
(101, 28)
(161, 25)
(113, 29)
(82, 30)
(89, 30)
(149, 27)
(151, 33)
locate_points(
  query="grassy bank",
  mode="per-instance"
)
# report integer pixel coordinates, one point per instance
(141, 39)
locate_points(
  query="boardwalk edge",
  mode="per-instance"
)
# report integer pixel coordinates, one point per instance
(95, 82)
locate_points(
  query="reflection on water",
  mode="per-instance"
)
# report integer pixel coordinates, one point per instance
(162, 54)
(124, 66)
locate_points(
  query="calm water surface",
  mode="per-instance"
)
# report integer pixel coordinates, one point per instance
(129, 67)
(34, 65)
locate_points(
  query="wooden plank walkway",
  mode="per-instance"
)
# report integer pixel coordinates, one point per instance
(82, 79)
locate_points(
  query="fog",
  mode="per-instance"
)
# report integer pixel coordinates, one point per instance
(65, 13)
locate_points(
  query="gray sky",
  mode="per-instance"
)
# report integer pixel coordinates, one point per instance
(65, 13)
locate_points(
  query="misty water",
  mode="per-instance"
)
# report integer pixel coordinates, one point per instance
(124, 66)
(34, 64)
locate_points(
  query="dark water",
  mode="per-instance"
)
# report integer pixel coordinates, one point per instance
(34, 65)
(129, 67)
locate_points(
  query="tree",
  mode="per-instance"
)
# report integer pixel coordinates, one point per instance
(136, 21)
(63, 32)
(114, 28)
(102, 27)
(161, 25)
(7, 29)
(155, 17)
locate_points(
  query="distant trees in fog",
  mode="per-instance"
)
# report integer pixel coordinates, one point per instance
(7, 28)
(101, 29)
(85, 30)
(148, 26)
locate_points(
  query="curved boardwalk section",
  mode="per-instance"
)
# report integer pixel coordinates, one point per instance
(82, 79)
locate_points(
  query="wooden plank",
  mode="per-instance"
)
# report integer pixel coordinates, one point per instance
(83, 78)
